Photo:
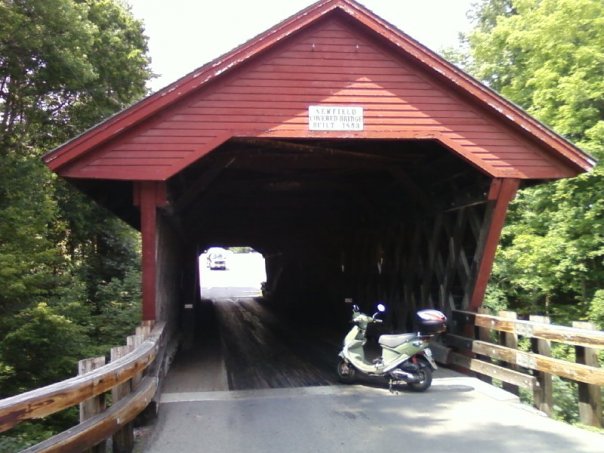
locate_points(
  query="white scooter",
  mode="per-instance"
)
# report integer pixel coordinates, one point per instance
(405, 359)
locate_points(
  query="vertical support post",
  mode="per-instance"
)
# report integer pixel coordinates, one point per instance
(123, 440)
(94, 405)
(149, 254)
(590, 396)
(542, 395)
(509, 340)
(502, 191)
(146, 198)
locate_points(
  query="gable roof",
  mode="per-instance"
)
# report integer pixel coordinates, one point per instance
(429, 61)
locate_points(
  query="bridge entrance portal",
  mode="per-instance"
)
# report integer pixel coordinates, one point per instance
(359, 163)
(396, 221)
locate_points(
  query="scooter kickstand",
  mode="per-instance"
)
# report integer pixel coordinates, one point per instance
(391, 388)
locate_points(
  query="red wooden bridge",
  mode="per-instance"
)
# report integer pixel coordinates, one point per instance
(360, 163)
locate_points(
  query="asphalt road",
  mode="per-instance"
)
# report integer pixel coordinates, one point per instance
(457, 414)
(242, 278)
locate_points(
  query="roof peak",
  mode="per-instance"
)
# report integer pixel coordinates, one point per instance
(428, 60)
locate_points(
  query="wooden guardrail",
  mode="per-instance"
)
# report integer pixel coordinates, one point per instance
(125, 373)
(492, 353)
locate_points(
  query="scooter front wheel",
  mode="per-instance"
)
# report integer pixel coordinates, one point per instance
(425, 376)
(346, 372)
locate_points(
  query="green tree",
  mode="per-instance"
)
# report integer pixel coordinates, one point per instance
(548, 57)
(64, 262)
(32, 267)
(43, 348)
(64, 65)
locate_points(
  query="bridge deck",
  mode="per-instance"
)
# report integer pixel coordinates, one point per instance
(247, 383)
(457, 414)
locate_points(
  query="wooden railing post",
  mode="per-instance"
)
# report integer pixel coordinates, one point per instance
(484, 335)
(509, 340)
(134, 341)
(94, 405)
(542, 394)
(590, 396)
(123, 440)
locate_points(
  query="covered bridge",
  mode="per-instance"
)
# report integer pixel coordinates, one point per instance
(361, 164)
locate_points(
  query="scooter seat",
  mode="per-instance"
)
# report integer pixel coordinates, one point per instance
(392, 341)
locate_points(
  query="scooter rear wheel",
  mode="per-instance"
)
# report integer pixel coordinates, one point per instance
(346, 372)
(425, 373)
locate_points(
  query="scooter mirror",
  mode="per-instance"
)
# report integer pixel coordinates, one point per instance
(381, 308)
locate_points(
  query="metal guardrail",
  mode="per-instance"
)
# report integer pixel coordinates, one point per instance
(53, 398)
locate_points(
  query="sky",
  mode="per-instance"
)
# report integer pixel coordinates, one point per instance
(186, 34)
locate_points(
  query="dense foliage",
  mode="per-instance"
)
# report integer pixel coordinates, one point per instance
(69, 283)
(548, 57)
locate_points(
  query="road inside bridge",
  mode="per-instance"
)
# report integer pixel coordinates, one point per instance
(248, 381)
(237, 342)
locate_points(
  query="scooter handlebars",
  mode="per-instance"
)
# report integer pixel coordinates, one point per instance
(363, 320)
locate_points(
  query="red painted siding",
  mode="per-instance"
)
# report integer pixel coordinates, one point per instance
(335, 63)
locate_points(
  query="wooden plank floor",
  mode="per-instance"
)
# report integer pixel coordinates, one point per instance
(239, 344)
(264, 351)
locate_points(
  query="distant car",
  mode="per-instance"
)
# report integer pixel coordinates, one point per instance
(217, 259)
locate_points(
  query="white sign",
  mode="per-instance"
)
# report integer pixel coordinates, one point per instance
(335, 118)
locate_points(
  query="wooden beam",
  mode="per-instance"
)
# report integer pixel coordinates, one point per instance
(562, 368)
(562, 334)
(494, 371)
(483, 334)
(590, 392)
(202, 183)
(94, 405)
(509, 340)
(148, 211)
(96, 429)
(320, 150)
(543, 394)
(415, 191)
(123, 439)
(502, 191)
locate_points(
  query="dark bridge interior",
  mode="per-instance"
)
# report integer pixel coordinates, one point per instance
(397, 221)
(367, 219)
(267, 192)
(371, 220)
